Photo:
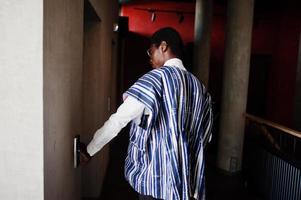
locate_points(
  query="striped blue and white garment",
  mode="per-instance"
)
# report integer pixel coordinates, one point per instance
(165, 154)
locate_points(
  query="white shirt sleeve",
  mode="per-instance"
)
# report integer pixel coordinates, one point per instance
(129, 110)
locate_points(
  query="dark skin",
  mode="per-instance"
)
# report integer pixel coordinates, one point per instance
(159, 55)
(84, 155)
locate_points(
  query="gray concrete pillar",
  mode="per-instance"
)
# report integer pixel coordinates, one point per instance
(235, 84)
(202, 32)
(297, 100)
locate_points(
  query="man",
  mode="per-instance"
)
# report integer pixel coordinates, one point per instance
(171, 117)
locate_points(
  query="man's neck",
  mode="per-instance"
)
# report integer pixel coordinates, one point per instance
(169, 56)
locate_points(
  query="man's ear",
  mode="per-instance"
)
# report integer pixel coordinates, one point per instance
(163, 46)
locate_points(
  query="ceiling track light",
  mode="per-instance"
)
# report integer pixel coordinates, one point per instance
(153, 13)
(181, 17)
(153, 16)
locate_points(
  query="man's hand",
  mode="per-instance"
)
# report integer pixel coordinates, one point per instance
(84, 155)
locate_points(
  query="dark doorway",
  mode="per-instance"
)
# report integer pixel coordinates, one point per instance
(257, 90)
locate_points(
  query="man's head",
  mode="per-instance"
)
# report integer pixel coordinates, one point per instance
(166, 43)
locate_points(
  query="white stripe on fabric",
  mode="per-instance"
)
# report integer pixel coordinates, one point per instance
(165, 159)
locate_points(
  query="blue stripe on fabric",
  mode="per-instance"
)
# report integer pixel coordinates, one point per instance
(166, 160)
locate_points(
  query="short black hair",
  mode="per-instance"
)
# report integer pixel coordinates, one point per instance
(171, 37)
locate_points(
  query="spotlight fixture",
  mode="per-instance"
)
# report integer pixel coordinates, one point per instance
(153, 16)
(181, 17)
(154, 11)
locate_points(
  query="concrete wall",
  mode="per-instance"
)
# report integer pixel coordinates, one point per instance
(99, 87)
(77, 92)
(41, 96)
(202, 37)
(63, 52)
(21, 100)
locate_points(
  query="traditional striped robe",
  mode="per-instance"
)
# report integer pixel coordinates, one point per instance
(165, 153)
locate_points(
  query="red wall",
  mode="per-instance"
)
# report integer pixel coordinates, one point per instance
(136, 61)
(140, 20)
(275, 33)
(282, 75)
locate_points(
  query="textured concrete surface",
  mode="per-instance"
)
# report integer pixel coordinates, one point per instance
(235, 84)
(21, 100)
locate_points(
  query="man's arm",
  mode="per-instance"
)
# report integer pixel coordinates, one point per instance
(129, 110)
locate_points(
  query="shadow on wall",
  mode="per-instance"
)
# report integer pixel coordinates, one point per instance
(133, 64)
(136, 61)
